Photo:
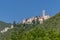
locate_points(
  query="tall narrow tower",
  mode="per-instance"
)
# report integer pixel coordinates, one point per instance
(43, 13)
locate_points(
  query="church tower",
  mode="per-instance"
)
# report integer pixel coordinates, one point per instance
(43, 13)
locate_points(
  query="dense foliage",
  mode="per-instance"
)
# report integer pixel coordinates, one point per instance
(37, 34)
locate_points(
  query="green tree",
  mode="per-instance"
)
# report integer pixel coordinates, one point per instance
(14, 23)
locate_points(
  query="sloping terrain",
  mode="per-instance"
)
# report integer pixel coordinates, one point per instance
(53, 22)
(49, 30)
(4, 24)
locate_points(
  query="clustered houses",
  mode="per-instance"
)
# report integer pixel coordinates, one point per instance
(30, 21)
(40, 19)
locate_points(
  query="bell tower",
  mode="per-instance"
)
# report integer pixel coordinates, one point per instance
(43, 13)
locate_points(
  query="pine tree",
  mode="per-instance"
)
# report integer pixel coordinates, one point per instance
(14, 23)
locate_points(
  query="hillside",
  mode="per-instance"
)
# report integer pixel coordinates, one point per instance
(49, 30)
(53, 22)
(4, 24)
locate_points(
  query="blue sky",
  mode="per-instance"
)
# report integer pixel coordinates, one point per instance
(17, 10)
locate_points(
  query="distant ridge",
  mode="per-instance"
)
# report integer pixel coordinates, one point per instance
(4, 24)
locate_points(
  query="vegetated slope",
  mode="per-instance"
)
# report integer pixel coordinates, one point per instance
(53, 22)
(46, 31)
(4, 24)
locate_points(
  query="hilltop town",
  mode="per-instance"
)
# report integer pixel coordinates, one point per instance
(37, 18)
